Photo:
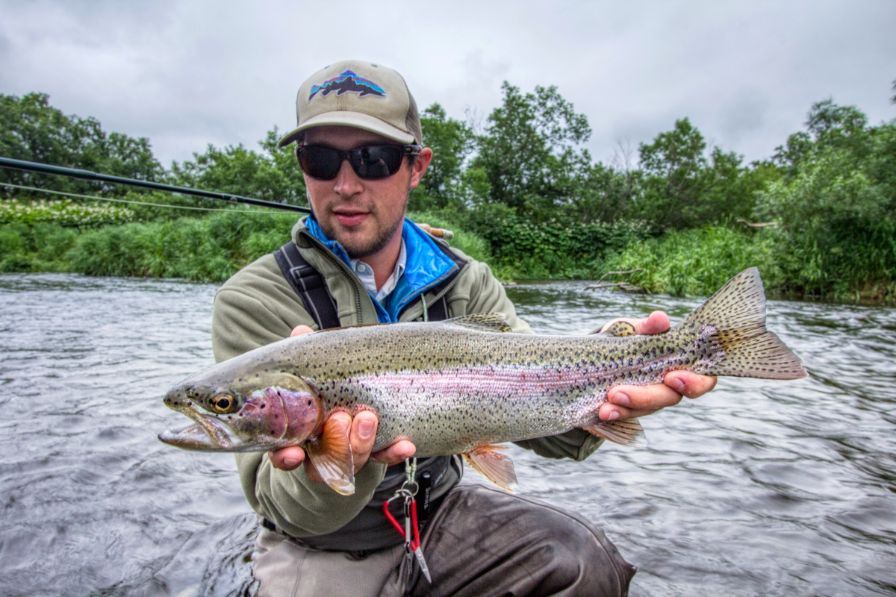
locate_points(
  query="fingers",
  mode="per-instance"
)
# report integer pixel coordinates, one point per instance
(300, 329)
(626, 402)
(655, 323)
(690, 384)
(363, 435)
(287, 459)
(396, 453)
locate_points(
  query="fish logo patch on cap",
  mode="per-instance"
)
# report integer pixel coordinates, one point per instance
(345, 82)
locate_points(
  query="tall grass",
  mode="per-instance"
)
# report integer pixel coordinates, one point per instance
(695, 262)
(205, 249)
(210, 248)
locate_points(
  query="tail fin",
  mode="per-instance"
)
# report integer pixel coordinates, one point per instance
(737, 311)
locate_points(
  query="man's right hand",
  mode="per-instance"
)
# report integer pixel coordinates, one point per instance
(362, 437)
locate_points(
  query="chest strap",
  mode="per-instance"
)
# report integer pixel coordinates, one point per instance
(309, 285)
(316, 297)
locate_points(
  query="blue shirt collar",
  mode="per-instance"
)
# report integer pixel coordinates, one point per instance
(426, 265)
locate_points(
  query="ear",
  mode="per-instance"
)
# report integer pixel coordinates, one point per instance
(420, 166)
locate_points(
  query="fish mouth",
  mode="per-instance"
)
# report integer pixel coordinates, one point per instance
(208, 433)
(211, 433)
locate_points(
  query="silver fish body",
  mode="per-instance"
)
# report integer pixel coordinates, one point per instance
(464, 385)
(460, 385)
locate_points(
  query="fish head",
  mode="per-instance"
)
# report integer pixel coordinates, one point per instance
(254, 412)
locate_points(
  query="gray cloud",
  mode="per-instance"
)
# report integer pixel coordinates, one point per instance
(188, 74)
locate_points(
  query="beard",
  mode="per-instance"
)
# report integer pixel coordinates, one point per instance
(386, 216)
(359, 244)
(359, 248)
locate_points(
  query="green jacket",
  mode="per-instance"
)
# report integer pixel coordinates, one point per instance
(258, 306)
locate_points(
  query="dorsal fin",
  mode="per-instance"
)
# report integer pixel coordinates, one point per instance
(485, 322)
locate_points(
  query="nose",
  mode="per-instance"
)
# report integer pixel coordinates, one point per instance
(347, 182)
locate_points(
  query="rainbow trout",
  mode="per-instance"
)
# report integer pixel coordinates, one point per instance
(463, 385)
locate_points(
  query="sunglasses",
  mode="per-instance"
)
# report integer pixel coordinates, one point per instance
(370, 162)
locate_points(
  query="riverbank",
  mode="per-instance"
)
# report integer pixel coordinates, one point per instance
(213, 247)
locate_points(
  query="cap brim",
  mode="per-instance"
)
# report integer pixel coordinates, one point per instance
(352, 119)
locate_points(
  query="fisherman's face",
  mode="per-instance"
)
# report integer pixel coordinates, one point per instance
(365, 216)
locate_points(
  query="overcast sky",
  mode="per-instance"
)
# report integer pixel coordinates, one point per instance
(188, 73)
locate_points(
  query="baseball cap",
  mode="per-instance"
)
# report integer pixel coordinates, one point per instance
(358, 94)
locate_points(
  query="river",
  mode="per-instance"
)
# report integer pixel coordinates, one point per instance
(757, 488)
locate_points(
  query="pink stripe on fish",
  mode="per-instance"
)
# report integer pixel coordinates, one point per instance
(488, 379)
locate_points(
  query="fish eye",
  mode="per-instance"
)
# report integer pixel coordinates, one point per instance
(223, 404)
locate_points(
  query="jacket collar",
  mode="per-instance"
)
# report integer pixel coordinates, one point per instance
(426, 266)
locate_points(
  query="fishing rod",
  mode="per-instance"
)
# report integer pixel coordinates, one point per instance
(146, 184)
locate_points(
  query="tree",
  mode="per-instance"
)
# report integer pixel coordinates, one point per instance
(531, 152)
(674, 168)
(31, 129)
(836, 204)
(451, 142)
(828, 126)
(605, 194)
(274, 175)
(687, 185)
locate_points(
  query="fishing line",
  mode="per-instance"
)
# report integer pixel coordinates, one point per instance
(128, 201)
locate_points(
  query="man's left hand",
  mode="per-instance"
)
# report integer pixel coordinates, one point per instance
(627, 402)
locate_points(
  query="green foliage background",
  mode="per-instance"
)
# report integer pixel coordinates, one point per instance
(521, 191)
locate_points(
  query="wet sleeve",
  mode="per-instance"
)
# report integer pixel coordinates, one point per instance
(575, 444)
(296, 504)
(243, 320)
(489, 296)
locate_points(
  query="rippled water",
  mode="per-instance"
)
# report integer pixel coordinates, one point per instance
(758, 488)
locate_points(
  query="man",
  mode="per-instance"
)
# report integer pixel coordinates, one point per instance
(359, 143)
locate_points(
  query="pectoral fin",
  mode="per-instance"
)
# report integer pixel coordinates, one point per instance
(626, 431)
(330, 457)
(489, 461)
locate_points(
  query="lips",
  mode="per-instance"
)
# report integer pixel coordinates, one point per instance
(350, 218)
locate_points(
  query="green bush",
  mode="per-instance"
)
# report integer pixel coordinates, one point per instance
(837, 233)
(39, 247)
(696, 262)
(556, 248)
(207, 249)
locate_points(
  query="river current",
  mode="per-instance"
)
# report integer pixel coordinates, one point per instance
(760, 487)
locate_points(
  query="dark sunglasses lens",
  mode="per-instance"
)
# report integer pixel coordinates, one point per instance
(376, 161)
(370, 162)
(320, 162)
